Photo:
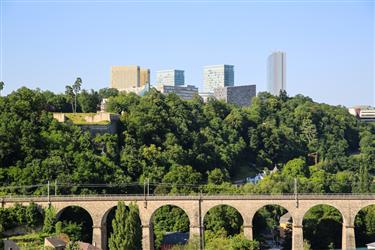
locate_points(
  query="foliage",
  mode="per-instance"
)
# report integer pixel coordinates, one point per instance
(237, 242)
(20, 215)
(49, 220)
(224, 220)
(168, 219)
(365, 226)
(127, 232)
(72, 229)
(322, 225)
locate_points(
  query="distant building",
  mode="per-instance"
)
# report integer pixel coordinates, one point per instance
(170, 77)
(206, 95)
(184, 92)
(216, 76)
(239, 95)
(130, 78)
(364, 113)
(276, 72)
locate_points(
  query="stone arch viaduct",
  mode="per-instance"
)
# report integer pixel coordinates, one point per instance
(197, 206)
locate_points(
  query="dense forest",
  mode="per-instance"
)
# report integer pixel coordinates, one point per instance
(183, 147)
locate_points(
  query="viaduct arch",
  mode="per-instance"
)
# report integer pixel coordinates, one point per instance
(197, 206)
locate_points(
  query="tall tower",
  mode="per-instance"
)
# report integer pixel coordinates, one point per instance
(217, 76)
(276, 72)
(129, 77)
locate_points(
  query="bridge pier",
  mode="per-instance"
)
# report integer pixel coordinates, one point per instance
(348, 237)
(97, 236)
(147, 237)
(297, 237)
(248, 231)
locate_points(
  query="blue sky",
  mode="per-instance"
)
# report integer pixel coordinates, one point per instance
(329, 44)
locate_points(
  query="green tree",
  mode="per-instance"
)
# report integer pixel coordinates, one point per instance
(88, 101)
(1, 86)
(117, 240)
(133, 228)
(76, 87)
(73, 230)
(49, 220)
(127, 232)
(33, 216)
(217, 176)
(69, 92)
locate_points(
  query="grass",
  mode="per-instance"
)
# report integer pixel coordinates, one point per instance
(79, 119)
(30, 241)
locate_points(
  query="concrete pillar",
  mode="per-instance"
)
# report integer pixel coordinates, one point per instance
(196, 233)
(297, 237)
(248, 231)
(147, 237)
(348, 237)
(97, 236)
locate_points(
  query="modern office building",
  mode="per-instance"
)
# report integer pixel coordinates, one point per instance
(239, 95)
(144, 77)
(170, 77)
(276, 72)
(184, 92)
(129, 78)
(216, 76)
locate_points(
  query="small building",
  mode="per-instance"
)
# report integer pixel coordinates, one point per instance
(364, 113)
(10, 245)
(172, 239)
(185, 92)
(86, 246)
(206, 95)
(239, 95)
(54, 243)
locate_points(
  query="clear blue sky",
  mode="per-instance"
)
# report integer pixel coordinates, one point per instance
(329, 44)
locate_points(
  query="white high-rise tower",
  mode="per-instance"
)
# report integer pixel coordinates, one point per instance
(276, 72)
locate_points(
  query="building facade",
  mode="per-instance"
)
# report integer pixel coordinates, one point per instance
(276, 72)
(238, 95)
(184, 92)
(217, 76)
(170, 77)
(129, 78)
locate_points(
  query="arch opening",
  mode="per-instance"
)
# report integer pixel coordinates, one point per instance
(272, 227)
(170, 226)
(322, 227)
(221, 224)
(364, 226)
(127, 219)
(76, 222)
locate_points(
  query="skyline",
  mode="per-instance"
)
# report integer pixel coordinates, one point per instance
(86, 39)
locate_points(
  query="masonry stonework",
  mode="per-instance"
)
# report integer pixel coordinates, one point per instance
(196, 208)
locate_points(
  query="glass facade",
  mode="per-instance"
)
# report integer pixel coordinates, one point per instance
(217, 76)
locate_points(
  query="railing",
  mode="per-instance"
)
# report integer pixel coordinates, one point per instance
(140, 197)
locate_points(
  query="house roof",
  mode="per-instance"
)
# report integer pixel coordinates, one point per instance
(56, 242)
(174, 238)
(86, 246)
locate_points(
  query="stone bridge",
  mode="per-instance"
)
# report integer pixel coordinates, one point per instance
(196, 207)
